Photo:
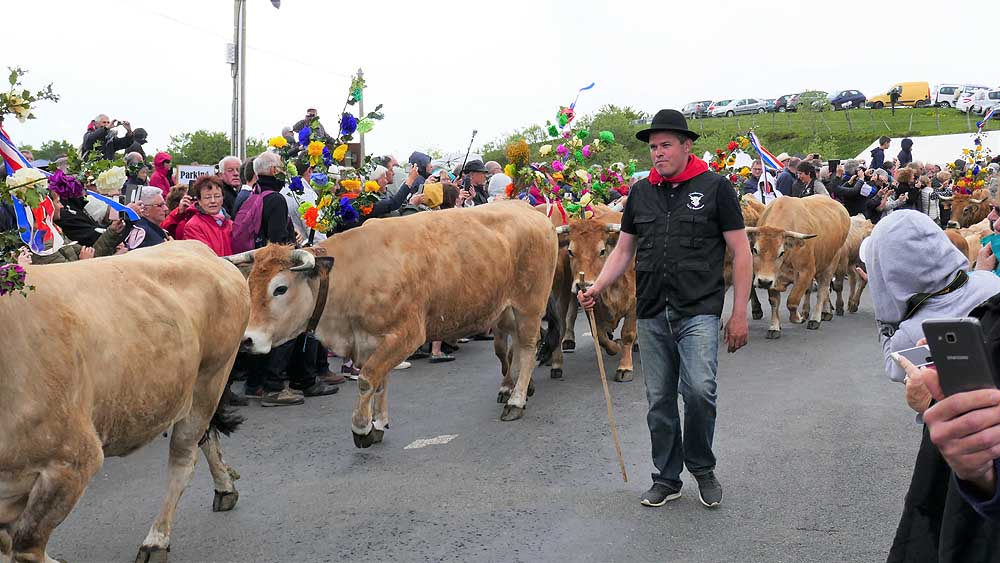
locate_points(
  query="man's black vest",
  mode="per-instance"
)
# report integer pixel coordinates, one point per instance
(681, 248)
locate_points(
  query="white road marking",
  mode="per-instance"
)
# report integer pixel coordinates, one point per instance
(424, 442)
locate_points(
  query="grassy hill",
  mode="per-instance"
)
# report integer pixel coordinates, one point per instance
(841, 134)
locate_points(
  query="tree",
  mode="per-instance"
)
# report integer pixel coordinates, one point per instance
(52, 150)
(207, 147)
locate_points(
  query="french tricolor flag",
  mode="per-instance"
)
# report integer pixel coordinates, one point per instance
(766, 157)
(989, 116)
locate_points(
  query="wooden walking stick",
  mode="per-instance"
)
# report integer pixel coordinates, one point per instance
(604, 382)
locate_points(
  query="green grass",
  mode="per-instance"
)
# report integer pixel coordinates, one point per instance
(841, 134)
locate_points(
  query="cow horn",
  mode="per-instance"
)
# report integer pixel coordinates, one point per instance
(562, 230)
(800, 236)
(976, 201)
(614, 227)
(241, 258)
(945, 197)
(751, 230)
(303, 261)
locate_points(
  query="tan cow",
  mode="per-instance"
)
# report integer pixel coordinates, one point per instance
(402, 281)
(752, 210)
(797, 241)
(967, 210)
(848, 261)
(588, 243)
(101, 358)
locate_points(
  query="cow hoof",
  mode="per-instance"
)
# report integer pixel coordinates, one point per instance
(511, 412)
(852, 309)
(757, 315)
(366, 441)
(840, 312)
(568, 346)
(531, 388)
(224, 501)
(826, 316)
(555, 373)
(813, 325)
(503, 397)
(796, 321)
(152, 554)
(623, 375)
(773, 334)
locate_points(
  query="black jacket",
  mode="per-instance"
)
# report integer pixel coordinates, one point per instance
(76, 224)
(878, 158)
(912, 197)
(850, 195)
(106, 141)
(275, 225)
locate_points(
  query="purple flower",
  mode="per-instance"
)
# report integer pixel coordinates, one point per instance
(320, 179)
(327, 156)
(348, 124)
(304, 136)
(347, 211)
(65, 185)
(296, 185)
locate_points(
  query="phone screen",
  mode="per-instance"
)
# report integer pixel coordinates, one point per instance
(919, 356)
(833, 164)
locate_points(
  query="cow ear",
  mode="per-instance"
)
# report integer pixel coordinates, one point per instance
(324, 264)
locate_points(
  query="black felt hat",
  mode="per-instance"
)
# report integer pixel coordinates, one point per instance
(667, 120)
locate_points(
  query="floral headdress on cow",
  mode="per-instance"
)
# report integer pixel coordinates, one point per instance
(29, 185)
(348, 195)
(723, 161)
(975, 170)
(570, 183)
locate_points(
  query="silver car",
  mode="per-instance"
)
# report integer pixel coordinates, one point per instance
(743, 106)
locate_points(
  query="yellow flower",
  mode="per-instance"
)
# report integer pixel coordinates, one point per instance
(509, 170)
(731, 161)
(277, 142)
(371, 186)
(544, 150)
(965, 151)
(325, 201)
(951, 165)
(350, 185)
(315, 148)
(745, 172)
(339, 152)
(744, 142)
(980, 183)
(968, 174)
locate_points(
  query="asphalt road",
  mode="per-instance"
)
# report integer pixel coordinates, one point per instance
(815, 449)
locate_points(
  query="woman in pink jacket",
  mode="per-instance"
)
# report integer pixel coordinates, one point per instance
(162, 177)
(209, 223)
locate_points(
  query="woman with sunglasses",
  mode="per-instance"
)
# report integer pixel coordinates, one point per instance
(209, 223)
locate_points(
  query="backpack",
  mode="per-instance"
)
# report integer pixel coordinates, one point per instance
(246, 225)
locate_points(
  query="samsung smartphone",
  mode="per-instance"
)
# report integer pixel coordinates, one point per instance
(959, 351)
(833, 164)
(919, 356)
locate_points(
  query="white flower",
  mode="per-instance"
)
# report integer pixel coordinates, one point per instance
(583, 176)
(20, 107)
(110, 182)
(27, 178)
(544, 150)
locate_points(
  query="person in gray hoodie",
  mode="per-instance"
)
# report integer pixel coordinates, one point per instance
(915, 273)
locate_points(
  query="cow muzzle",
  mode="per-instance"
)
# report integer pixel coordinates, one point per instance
(255, 343)
(954, 225)
(764, 283)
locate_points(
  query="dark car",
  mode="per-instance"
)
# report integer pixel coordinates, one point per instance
(847, 99)
(696, 109)
(788, 102)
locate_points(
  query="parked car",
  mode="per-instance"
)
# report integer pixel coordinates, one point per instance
(742, 106)
(716, 104)
(910, 94)
(769, 104)
(696, 109)
(846, 99)
(943, 95)
(788, 102)
(815, 100)
(989, 99)
(968, 96)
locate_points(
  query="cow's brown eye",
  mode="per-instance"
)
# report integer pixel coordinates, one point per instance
(604, 251)
(570, 252)
(280, 290)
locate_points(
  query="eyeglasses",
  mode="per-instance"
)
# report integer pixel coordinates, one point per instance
(210, 197)
(161, 204)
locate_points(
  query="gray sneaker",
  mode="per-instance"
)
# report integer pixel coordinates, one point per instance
(281, 398)
(659, 494)
(709, 490)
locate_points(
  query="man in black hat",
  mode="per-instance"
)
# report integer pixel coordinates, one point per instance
(138, 139)
(681, 219)
(475, 181)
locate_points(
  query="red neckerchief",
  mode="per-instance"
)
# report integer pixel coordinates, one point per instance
(695, 167)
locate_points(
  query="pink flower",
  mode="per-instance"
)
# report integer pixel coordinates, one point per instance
(557, 165)
(586, 151)
(562, 151)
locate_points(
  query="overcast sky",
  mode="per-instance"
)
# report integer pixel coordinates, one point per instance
(445, 67)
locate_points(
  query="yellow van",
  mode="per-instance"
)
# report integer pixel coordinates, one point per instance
(910, 94)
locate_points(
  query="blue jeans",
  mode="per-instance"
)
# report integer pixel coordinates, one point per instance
(680, 353)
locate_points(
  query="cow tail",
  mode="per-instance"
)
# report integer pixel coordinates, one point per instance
(226, 418)
(552, 336)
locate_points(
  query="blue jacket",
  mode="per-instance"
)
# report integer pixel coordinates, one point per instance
(878, 158)
(421, 160)
(784, 182)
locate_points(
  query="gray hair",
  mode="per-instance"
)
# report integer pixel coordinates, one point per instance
(133, 157)
(147, 194)
(263, 163)
(379, 172)
(99, 116)
(494, 167)
(881, 173)
(225, 159)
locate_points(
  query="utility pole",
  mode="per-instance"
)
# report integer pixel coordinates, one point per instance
(361, 115)
(236, 56)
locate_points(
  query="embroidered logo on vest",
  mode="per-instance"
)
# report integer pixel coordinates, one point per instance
(695, 202)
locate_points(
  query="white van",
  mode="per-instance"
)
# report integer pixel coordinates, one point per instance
(943, 95)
